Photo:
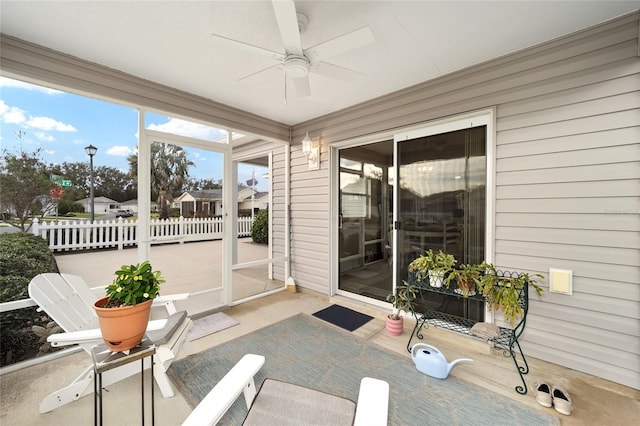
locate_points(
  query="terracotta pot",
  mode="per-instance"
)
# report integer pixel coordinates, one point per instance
(467, 288)
(123, 328)
(395, 327)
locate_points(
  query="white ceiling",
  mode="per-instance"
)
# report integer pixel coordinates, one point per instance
(170, 42)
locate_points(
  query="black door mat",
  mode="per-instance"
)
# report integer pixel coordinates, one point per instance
(343, 317)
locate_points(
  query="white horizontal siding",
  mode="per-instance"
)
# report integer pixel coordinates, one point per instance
(588, 173)
(602, 155)
(613, 137)
(564, 98)
(626, 342)
(567, 196)
(610, 188)
(581, 361)
(570, 111)
(601, 205)
(309, 222)
(570, 253)
(584, 348)
(577, 126)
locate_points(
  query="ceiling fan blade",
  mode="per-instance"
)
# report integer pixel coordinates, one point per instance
(335, 71)
(303, 89)
(279, 66)
(248, 47)
(285, 12)
(340, 45)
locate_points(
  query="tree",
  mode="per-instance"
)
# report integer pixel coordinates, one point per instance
(114, 184)
(109, 182)
(24, 186)
(169, 172)
(201, 184)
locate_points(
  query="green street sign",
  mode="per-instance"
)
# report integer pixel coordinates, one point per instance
(65, 182)
(55, 178)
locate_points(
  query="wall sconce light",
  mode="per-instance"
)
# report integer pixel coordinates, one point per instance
(311, 152)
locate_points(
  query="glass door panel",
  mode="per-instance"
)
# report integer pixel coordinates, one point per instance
(252, 270)
(441, 205)
(365, 248)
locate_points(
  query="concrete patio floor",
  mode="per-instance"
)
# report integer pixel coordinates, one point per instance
(187, 268)
(595, 401)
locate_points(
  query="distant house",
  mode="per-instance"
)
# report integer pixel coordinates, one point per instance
(208, 202)
(101, 204)
(133, 205)
(245, 204)
(205, 202)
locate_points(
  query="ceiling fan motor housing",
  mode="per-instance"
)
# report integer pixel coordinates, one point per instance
(296, 66)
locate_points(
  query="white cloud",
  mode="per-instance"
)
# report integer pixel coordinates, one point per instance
(7, 82)
(47, 123)
(177, 126)
(11, 115)
(15, 115)
(120, 151)
(44, 137)
(49, 151)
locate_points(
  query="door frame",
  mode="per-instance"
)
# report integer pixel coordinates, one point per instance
(484, 117)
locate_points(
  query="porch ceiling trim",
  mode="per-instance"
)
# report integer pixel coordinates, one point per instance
(41, 65)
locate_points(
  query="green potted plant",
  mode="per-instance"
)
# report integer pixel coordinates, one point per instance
(433, 266)
(124, 312)
(466, 277)
(504, 293)
(402, 300)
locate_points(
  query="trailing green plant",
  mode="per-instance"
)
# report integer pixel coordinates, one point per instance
(134, 284)
(439, 262)
(504, 293)
(402, 299)
(260, 227)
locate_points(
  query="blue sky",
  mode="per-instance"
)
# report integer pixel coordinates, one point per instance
(61, 124)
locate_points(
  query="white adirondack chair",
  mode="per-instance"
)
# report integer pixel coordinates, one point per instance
(68, 300)
(371, 409)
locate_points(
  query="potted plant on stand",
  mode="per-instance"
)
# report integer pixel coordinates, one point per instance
(467, 277)
(124, 312)
(503, 292)
(433, 266)
(402, 300)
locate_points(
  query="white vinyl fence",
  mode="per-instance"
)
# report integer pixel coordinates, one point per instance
(67, 235)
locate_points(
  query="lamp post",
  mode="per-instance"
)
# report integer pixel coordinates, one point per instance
(91, 151)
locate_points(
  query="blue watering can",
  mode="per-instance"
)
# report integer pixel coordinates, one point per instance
(430, 361)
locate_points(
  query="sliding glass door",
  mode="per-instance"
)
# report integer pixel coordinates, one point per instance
(426, 189)
(441, 199)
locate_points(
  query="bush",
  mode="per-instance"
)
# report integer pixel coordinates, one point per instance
(260, 227)
(66, 207)
(22, 257)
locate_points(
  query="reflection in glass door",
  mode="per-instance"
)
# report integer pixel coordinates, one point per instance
(441, 205)
(365, 218)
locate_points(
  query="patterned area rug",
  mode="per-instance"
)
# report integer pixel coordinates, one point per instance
(311, 353)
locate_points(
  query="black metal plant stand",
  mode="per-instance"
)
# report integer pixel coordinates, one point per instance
(507, 340)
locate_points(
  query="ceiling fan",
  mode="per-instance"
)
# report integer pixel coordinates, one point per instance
(297, 62)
